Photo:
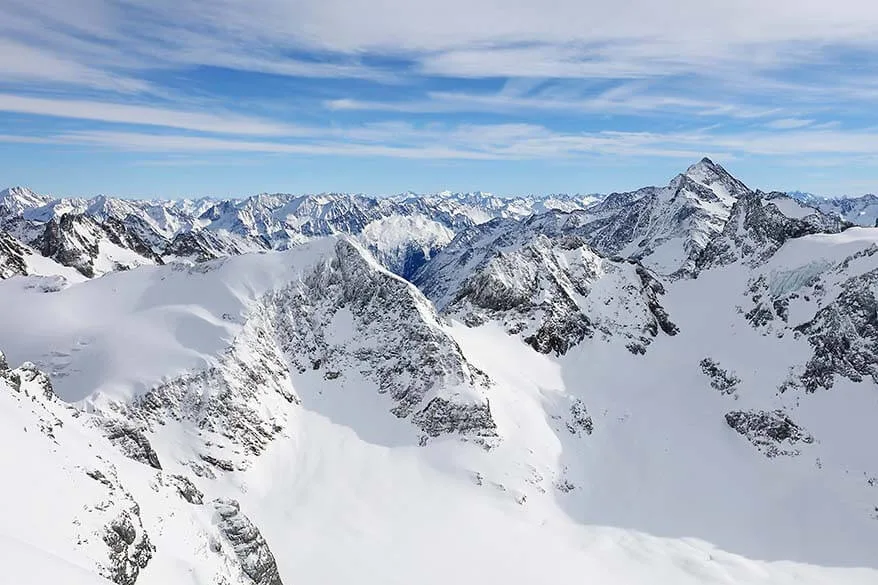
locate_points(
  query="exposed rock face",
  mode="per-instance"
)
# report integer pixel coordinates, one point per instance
(723, 381)
(243, 400)
(345, 316)
(772, 432)
(442, 416)
(130, 548)
(92, 247)
(250, 548)
(187, 489)
(32, 386)
(383, 328)
(545, 284)
(844, 335)
(757, 228)
(132, 442)
(12, 255)
(205, 245)
(37, 381)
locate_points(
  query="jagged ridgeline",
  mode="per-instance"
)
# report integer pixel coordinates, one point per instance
(343, 389)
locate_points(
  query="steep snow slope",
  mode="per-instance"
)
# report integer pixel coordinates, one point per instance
(545, 284)
(148, 335)
(725, 430)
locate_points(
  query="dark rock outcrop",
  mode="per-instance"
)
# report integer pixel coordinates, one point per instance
(75, 240)
(130, 549)
(250, 548)
(580, 421)
(414, 357)
(442, 416)
(543, 282)
(721, 380)
(131, 442)
(187, 489)
(844, 335)
(772, 432)
(12, 254)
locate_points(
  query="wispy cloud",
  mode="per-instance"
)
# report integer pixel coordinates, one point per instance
(511, 38)
(223, 122)
(489, 142)
(603, 103)
(788, 123)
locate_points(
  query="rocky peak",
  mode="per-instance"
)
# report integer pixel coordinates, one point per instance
(93, 247)
(717, 179)
(16, 200)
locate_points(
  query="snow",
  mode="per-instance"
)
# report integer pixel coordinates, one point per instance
(111, 255)
(659, 424)
(397, 231)
(829, 248)
(790, 207)
(38, 265)
(662, 492)
(25, 564)
(120, 334)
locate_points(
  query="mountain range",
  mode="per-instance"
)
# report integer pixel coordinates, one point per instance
(675, 385)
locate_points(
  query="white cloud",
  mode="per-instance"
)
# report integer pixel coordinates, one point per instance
(22, 63)
(603, 103)
(494, 142)
(470, 38)
(789, 123)
(170, 143)
(226, 123)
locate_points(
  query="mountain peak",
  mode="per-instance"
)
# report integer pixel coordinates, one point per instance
(17, 199)
(713, 176)
(705, 166)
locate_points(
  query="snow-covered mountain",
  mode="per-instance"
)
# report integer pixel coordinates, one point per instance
(404, 231)
(545, 284)
(861, 210)
(676, 385)
(17, 200)
(666, 228)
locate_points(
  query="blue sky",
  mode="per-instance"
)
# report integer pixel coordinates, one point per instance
(226, 97)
